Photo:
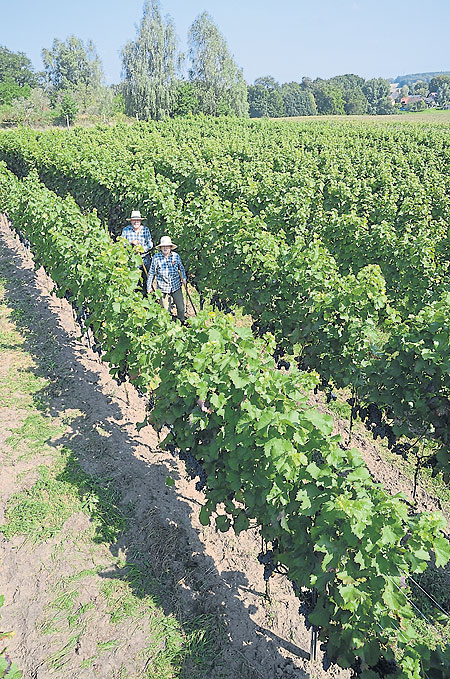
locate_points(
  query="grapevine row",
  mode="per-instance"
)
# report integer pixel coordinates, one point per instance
(267, 456)
(336, 324)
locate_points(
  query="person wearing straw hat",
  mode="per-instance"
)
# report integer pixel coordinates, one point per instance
(139, 236)
(167, 268)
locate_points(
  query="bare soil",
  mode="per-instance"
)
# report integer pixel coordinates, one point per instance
(204, 572)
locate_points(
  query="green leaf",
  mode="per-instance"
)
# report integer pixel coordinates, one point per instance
(266, 419)
(370, 652)
(388, 535)
(12, 673)
(238, 381)
(319, 617)
(394, 598)
(214, 335)
(116, 307)
(204, 516)
(303, 498)
(321, 421)
(170, 481)
(441, 548)
(277, 447)
(140, 425)
(351, 596)
(313, 470)
(370, 674)
(241, 523)
(244, 332)
(223, 523)
(359, 474)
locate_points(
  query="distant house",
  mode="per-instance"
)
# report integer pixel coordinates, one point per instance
(412, 99)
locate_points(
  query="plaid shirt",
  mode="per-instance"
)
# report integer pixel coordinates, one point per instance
(144, 239)
(166, 271)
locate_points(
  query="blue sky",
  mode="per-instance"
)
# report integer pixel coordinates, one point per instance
(286, 39)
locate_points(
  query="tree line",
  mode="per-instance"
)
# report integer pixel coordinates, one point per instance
(158, 81)
(344, 94)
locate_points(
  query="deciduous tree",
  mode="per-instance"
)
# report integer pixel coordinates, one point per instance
(437, 81)
(420, 87)
(329, 98)
(265, 99)
(187, 101)
(220, 83)
(150, 86)
(10, 90)
(16, 67)
(297, 101)
(355, 101)
(70, 65)
(443, 95)
(377, 92)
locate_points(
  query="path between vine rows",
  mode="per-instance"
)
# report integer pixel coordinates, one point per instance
(212, 572)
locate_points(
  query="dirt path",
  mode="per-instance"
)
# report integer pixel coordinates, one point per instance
(198, 574)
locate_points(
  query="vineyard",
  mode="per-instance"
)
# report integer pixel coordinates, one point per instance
(334, 240)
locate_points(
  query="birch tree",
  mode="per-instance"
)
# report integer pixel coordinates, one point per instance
(149, 66)
(70, 65)
(219, 82)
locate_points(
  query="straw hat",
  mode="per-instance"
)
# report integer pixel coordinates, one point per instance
(135, 214)
(165, 240)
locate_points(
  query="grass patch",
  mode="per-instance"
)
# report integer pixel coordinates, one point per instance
(122, 602)
(88, 662)
(103, 646)
(60, 491)
(65, 601)
(433, 625)
(32, 436)
(83, 574)
(165, 652)
(19, 385)
(340, 408)
(202, 637)
(40, 512)
(166, 649)
(74, 618)
(191, 649)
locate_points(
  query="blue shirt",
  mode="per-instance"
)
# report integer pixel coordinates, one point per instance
(166, 271)
(143, 237)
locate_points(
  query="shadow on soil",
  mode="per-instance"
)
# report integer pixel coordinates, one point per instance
(162, 555)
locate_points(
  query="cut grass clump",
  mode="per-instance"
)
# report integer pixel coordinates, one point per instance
(40, 512)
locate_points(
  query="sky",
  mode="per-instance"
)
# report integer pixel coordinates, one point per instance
(287, 39)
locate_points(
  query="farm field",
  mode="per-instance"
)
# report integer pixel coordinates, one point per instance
(334, 240)
(430, 116)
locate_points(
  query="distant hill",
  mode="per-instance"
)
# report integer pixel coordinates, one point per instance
(412, 77)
